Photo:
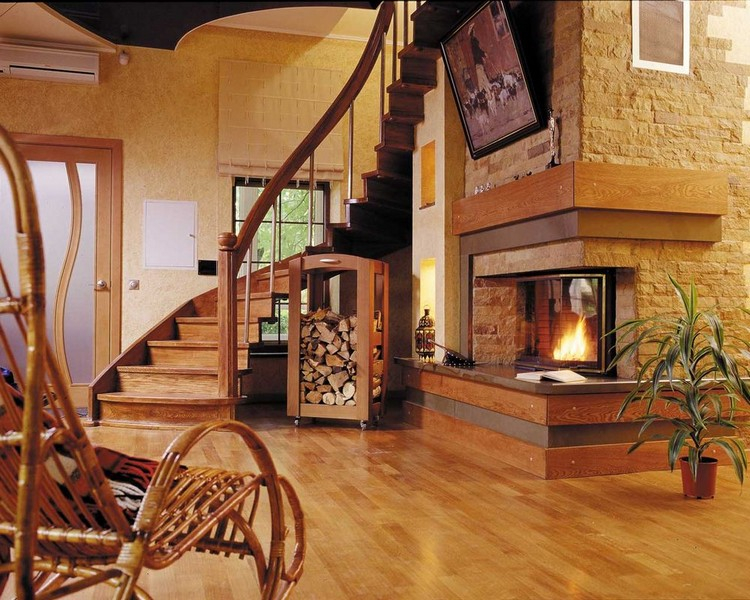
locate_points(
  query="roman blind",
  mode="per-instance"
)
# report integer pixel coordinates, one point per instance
(265, 110)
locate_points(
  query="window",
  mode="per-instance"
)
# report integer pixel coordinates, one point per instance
(291, 233)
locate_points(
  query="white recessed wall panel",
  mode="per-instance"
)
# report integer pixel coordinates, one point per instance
(169, 233)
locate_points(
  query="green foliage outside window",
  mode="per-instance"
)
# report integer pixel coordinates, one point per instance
(292, 208)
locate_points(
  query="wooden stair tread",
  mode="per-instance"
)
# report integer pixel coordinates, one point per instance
(403, 118)
(190, 344)
(389, 175)
(415, 51)
(414, 88)
(180, 398)
(267, 275)
(208, 320)
(174, 370)
(394, 147)
(396, 209)
(409, 87)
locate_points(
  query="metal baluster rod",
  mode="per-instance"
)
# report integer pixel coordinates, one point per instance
(394, 66)
(272, 269)
(246, 316)
(350, 179)
(310, 204)
(382, 85)
(406, 23)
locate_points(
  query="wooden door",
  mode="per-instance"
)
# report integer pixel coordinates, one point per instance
(77, 182)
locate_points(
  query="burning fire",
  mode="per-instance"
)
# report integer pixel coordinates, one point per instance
(573, 345)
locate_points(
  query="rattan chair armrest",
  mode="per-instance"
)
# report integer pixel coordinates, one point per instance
(171, 461)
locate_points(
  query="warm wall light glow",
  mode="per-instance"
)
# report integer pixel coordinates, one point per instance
(573, 344)
(427, 284)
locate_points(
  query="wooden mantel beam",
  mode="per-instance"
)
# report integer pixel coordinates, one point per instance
(598, 186)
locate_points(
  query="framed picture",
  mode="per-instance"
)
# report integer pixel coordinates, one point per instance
(489, 79)
(661, 35)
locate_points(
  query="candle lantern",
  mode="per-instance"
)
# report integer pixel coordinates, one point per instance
(424, 337)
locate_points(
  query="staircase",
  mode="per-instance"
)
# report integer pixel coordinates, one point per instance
(170, 376)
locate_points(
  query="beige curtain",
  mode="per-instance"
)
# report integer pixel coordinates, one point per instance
(265, 110)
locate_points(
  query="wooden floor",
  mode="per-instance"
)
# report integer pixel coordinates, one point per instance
(395, 513)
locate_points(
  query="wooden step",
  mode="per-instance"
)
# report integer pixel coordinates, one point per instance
(405, 104)
(261, 304)
(207, 329)
(394, 160)
(151, 379)
(193, 353)
(398, 133)
(371, 223)
(403, 118)
(381, 206)
(364, 242)
(388, 190)
(260, 282)
(162, 410)
(420, 52)
(419, 66)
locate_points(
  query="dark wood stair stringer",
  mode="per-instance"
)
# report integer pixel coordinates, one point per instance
(387, 191)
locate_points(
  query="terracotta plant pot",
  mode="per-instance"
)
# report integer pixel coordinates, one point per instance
(704, 485)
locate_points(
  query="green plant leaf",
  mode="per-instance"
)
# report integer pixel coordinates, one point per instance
(676, 443)
(735, 449)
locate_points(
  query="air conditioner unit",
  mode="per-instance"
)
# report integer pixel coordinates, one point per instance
(48, 64)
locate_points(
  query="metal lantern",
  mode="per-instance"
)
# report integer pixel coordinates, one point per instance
(424, 337)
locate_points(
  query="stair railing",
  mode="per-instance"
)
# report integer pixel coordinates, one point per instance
(234, 247)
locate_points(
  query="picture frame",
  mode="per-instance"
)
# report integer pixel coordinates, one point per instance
(661, 35)
(490, 79)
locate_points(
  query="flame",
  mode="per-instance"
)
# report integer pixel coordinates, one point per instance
(573, 344)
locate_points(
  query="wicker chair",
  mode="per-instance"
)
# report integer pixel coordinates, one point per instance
(63, 525)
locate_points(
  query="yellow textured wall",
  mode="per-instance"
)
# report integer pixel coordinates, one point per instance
(432, 237)
(164, 106)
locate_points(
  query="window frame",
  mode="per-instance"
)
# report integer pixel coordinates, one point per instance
(274, 331)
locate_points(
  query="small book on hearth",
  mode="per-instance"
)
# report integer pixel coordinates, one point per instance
(561, 376)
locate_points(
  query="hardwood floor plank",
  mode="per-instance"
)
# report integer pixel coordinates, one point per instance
(397, 513)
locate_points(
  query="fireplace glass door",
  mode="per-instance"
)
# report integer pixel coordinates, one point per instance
(561, 319)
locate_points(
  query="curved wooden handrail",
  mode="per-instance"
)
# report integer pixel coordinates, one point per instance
(324, 126)
(232, 248)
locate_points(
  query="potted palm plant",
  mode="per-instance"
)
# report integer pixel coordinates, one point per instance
(688, 376)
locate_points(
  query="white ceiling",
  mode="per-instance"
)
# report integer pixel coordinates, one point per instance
(316, 21)
(35, 23)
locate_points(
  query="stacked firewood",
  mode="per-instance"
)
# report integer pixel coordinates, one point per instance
(328, 358)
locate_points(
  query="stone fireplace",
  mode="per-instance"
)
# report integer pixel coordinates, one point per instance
(619, 221)
(531, 318)
(562, 320)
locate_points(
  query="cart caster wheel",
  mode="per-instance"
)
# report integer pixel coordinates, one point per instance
(363, 425)
(296, 421)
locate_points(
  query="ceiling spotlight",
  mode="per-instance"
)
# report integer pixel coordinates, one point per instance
(123, 57)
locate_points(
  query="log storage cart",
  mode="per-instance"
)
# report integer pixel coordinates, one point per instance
(337, 349)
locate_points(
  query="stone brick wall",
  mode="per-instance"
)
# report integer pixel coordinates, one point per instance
(694, 121)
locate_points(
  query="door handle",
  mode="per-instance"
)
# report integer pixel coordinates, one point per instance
(100, 285)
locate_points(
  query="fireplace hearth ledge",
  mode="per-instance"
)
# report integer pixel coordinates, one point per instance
(522, 423)
(505, 376)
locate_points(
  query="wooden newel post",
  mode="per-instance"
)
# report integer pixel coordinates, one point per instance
(227, 316)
